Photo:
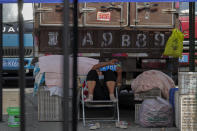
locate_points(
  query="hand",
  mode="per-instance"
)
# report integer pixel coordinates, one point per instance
(113, 61)
(118, 70)
(119, 84)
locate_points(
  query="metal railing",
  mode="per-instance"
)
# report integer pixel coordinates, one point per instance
(192, 36)
(67, 52)
(67, 124)
(1, 61)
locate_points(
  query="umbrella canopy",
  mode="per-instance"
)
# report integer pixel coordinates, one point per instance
(85, 64)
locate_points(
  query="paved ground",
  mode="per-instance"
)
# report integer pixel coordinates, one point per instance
(32, 123)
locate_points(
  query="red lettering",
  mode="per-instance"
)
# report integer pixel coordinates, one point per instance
(103, 16)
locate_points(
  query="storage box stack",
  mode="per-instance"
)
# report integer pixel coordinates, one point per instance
(49, 107)
(50, 91)
(187, 101)
(49, 84)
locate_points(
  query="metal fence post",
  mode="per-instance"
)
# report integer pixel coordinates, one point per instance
(66, 110)
(21, 67)
(1, 61)
(191, 36)
(75, 53)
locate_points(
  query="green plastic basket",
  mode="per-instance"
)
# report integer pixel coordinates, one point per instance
(13, 116)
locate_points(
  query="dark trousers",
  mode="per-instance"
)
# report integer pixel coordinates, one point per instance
(101, 91)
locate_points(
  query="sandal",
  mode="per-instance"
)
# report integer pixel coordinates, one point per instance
(94, 126)
(122, 125)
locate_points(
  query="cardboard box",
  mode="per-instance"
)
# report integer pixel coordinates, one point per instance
(11, 98)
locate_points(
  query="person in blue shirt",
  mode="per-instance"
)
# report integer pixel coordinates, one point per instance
(101, 84)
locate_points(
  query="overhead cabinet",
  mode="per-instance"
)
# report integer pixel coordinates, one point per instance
(152, 14)
(105, 14)
(51, 14)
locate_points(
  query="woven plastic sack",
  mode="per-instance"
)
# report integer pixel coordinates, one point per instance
(174, 45)
(156, 113)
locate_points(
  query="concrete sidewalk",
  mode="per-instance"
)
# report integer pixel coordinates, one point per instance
(32, 123)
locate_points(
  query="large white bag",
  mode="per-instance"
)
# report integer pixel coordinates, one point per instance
(156, 113)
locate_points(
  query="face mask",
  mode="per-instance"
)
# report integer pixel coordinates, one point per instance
(101, 77)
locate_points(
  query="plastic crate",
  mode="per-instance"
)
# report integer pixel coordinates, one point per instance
(187, 82)
(49, 107)
(188, 112)
(153, 93)
(137, 111)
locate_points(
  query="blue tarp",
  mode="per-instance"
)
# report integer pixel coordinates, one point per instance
(60, 1)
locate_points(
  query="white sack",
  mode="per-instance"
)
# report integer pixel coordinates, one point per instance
(156, 113)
